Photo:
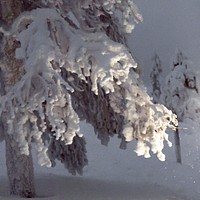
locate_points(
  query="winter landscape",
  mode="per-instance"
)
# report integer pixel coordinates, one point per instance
(117, 174)
(170, 29)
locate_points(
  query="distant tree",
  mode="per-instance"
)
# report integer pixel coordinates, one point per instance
(65, 61)
(156, 78)
(181, 93)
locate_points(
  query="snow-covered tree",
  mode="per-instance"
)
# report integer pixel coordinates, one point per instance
(181, 93)
(65, 61)
(181, 87)
(156, 78)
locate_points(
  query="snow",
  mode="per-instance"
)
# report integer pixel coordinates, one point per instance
(114, 174)
(41, 51)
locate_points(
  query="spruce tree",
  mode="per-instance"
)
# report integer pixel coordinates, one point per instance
(65, 61)
(156, 78)
(180, 93)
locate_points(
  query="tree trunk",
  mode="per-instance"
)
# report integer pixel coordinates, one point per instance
(177, 146)
(9, 10)
(19, 169)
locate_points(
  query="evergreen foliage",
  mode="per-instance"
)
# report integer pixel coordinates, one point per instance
(156, 79)
(65, 61)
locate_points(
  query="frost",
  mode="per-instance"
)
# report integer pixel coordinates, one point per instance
(79, 67)
(181, 89)
(127, 132)
(142, 149)
(43, 158)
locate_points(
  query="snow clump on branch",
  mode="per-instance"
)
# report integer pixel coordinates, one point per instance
(42, 98)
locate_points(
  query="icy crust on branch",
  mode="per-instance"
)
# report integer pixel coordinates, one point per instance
(42, 99)
(101, 59)
(61, 46)
(114, 17)
(92, 12)
(98, 109)
(143, 120)
(128, 112)
(41, 96)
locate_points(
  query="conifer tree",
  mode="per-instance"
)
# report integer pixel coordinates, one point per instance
(65, 61)
(180, 93)
(156, 78)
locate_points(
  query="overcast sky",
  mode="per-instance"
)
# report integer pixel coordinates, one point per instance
(167, 26)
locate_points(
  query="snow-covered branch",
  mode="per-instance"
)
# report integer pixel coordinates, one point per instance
(61, 62)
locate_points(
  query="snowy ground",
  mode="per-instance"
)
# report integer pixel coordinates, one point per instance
(114, 174)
